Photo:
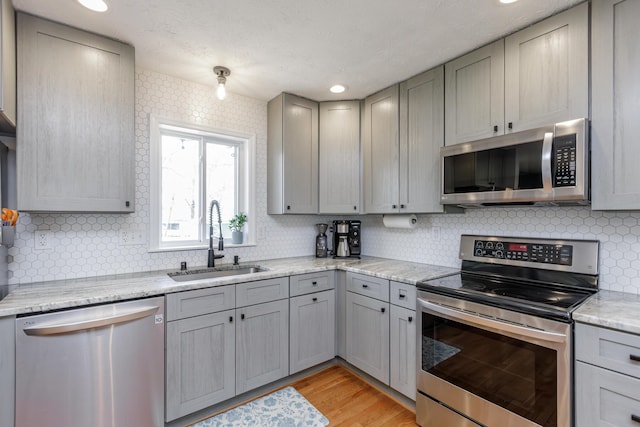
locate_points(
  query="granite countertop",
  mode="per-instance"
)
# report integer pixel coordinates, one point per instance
(610, 309)
(55, 295)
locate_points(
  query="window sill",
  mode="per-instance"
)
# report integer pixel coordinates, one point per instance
(201, 247)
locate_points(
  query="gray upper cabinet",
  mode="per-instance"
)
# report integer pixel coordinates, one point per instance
(615, 128)
(403, 130)
(76, 114)
(339, 164)
(474, 95)
(7, 68)
(421, 136)
(534, 77)
(292, 151)
(381, 151)
(547, 71)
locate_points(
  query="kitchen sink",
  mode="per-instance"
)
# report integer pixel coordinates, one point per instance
(212, 273)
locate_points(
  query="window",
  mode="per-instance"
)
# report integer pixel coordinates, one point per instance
(191, 166)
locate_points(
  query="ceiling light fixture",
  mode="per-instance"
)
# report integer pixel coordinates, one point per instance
(95, 5)
(222, 73)
(338, 88)
(508, 1)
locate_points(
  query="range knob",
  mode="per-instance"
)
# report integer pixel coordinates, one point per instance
(499, 254)
(479, 252)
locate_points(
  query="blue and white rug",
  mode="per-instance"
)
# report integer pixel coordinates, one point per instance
(282, 408)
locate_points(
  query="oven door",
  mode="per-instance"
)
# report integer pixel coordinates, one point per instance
(498, 368)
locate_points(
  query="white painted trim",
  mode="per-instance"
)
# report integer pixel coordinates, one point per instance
(246, 179)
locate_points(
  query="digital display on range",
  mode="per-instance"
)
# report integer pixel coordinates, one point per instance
(530, 252)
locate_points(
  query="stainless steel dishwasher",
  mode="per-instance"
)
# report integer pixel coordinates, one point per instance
(95, 366)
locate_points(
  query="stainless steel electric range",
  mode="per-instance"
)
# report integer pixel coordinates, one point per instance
(495, 340)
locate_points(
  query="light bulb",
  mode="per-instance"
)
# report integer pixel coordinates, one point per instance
(338, 88)
(221, 92)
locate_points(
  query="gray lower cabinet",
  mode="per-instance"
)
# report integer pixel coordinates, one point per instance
(615, 128)
(368, 335)
(262, 344)
(7, 370)
(607, 377)
(76, 115)
(200, 362)
(200, 349)
(312, 330)
(403, 339)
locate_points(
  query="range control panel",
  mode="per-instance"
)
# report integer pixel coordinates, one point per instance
(524, 251)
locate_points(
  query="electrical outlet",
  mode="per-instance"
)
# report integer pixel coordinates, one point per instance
(42, 240)
(131, 237)
(435, 234)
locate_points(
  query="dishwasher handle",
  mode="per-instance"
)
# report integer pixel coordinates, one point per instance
(68, 327)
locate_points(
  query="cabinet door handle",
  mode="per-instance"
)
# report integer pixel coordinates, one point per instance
(635, 418)
(393, 206)
(510, 125)
(382, 309)
(401, 296)
(288, 207)
(230, 319)
(402, 206)
(242, 316)
(495, 128)
(314, 283)
(127, 203)
(355, 208)
(314, 299)
(364, 285)
(410, 319)
(634, 357)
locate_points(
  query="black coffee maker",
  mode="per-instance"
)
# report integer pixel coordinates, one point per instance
(346, 239)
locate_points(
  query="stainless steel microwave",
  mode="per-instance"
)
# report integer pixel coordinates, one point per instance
(543, 166)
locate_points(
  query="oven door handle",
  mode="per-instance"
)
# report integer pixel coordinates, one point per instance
(495, 325)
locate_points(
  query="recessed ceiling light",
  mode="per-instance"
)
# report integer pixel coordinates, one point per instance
(338, 88)
(95, 5)
(508, 1)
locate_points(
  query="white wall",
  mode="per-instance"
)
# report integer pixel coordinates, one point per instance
(86, 245)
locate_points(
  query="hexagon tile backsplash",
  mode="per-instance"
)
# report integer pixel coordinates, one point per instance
(88, 245)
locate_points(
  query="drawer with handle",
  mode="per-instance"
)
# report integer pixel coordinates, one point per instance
(615, 350)
(302, 284)
(370, 286)
(403, 294)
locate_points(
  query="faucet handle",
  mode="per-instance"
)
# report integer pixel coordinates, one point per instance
(236, 260)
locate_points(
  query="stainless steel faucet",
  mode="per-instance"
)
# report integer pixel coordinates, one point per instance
(212, 256)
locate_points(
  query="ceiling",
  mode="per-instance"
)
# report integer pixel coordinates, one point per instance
(299, 46)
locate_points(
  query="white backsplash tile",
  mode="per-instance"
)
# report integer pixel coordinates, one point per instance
(86, 245)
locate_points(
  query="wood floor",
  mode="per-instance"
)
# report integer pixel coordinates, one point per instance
(347, 400)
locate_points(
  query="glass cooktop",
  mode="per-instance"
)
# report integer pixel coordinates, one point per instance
(548, 301)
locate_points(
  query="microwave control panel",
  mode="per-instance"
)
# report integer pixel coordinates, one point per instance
(530, 252)
(564, 161)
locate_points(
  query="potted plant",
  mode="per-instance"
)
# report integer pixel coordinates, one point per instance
(236, 225)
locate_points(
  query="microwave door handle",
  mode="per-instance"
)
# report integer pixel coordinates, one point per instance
(494, 325)
(547, 145)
